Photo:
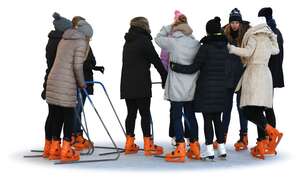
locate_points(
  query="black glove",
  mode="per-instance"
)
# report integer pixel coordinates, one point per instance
(43, 95)
(163, 84)
(99, 68)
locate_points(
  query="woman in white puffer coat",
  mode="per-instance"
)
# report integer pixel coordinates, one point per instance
(180, 88)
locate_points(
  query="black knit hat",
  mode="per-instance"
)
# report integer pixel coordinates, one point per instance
(235, 15)
(214, 26)
(266, 12)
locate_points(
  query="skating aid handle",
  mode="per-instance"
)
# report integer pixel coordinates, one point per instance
(111, 104)
(97, 82)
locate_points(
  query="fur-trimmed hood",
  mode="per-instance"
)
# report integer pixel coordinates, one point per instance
(261, 28)
(183, 28)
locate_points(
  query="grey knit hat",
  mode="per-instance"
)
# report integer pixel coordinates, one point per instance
(85, 28)
(60, 23)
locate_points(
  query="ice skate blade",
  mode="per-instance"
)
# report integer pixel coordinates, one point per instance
(208, 159)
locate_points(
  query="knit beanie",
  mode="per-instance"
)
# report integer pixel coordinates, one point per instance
(213, 26)
(235, 15)
(60, 23)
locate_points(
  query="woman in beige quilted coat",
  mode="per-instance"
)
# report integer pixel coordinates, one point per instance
(64, 78)
(258, 44)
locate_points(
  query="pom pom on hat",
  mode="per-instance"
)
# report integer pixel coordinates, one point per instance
(235, 15)
(213, 26)
(60, 23)
(177, 14)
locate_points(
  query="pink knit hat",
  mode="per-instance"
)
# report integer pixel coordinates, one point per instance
(177, 14)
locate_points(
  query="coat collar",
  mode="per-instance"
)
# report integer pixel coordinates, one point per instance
(214, 38)
(73, 34)
(136, 31)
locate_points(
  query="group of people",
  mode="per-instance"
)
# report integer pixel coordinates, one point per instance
(203, 76)
(198, 76)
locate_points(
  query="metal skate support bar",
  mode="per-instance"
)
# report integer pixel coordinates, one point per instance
(112, 106)
(103, 124)
(33, 156)
(123, 150)
(36, 155)
(84, 127)
(156, 83)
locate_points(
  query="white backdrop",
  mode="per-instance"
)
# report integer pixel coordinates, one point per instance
(24, 29)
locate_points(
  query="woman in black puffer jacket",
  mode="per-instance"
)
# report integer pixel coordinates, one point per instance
(209, 97)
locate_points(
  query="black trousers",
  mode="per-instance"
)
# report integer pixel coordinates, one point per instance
(143, 106)
(270, 116)
(226, 117)
(209, 120)
(256, 115)
(57, 117)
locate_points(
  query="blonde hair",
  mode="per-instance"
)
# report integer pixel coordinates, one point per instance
(181, 20)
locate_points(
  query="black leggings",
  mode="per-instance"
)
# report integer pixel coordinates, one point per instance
(143, 105)
(57, 117)
(215, 118)
(256, 115)
(270, 116)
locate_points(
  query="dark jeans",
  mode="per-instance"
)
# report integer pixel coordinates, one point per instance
(59, 116)
(179, 109)
(215, 118)
(172, 127)
(77, 116)
(143, 106)
(256, 115)
(227, 112)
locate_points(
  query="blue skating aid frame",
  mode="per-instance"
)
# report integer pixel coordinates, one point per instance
(85, 129)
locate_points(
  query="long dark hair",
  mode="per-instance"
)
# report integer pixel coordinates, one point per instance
(244, 26)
